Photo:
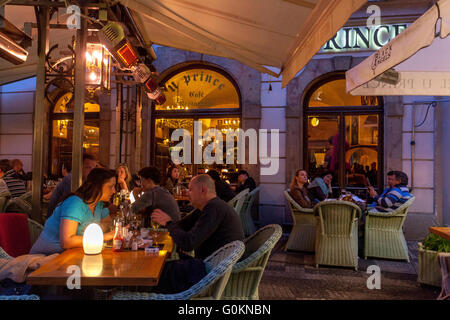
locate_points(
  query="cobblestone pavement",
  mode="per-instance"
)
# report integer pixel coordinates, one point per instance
(293, 276)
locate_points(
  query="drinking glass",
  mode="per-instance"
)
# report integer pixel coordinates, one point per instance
(155, 227)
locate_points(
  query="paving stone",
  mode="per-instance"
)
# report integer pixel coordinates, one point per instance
(292, 275)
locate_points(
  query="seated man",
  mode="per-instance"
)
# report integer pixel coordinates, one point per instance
(64, 187)
(212, 225)
(392, 197)
(245, 182)
(223, 189)
(15, 179)
(154, 196)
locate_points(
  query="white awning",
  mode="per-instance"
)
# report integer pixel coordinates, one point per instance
(284, 34)
(419, 56)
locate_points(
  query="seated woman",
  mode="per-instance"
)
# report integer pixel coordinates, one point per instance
(298, 190)
(65, 228)
(171, 180)
(320, 188)
(124, 178)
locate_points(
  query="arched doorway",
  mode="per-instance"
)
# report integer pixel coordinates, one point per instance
(61, 132)
(343, 134)
(195, 92)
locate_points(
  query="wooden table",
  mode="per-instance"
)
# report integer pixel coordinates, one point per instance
(126, 268)
(441, 231)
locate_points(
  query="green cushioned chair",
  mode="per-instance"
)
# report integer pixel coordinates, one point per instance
(21, 204)
(337, 233)
(210, 287)
(4, 197)
(246, 213)
(383, 237)
(247, 273)
(35, 230)
(238, 201)
(303, 234)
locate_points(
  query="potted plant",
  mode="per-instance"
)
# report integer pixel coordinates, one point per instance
(429, 268)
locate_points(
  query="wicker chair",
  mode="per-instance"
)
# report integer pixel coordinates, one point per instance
(4, 197)
(4, 255)
(247, 273)
(303, 234)
(238, 201)
(383, 237)
(209, 288)
(337, 233)
(35, 230)
(246, 213)
(20, 204)
(20, 297)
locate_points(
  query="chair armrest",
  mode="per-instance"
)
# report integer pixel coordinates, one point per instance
(248, 269)
(385, 214)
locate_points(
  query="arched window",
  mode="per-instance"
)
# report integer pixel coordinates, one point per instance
(196, 92)
(343, 134)
(61, 131)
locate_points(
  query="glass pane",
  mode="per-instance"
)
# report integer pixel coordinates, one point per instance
(163, 132)
(65, 104)
(334, 94)
(323, 146)
(199, 89)
(62, 138)
(164, 145)
(224, 125)
(362, 155)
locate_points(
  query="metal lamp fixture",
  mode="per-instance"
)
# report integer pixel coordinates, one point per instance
(98, 65)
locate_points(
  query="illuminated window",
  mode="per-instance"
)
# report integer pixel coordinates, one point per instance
(344, 140)
(334, 94)
(61, 120)
(193, 93)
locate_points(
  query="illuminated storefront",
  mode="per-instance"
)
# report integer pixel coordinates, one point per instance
(195, 93)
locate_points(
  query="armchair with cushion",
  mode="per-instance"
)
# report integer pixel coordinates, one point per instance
(383, 237)
(303, 234)
(337, 233)
(247, 273)
(209, 288)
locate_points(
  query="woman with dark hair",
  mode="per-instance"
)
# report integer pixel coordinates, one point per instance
(320, 188)
(65, 228)
(171, 180)
(298, 190)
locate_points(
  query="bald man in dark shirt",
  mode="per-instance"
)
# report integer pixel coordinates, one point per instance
(212, 225)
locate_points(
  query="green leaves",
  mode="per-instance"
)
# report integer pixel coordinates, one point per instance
(436, 243)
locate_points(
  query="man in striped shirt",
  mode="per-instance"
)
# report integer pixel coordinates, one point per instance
(14, 179)
(394, 196)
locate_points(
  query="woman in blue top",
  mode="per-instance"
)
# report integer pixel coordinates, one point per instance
(65, 228)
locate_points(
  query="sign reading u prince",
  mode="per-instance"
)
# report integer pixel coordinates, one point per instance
(199, 89)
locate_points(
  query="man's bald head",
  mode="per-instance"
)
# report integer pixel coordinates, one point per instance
(204, 180)
(201, 190)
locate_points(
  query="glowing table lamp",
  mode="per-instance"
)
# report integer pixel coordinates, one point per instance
(93, 239)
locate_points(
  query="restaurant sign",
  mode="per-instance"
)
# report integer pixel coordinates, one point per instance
(362, 38)
(199, 89)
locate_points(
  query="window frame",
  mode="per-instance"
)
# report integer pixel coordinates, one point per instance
(340, 112)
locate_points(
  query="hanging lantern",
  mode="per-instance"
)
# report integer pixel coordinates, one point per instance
(98, 65)
(93, 239)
